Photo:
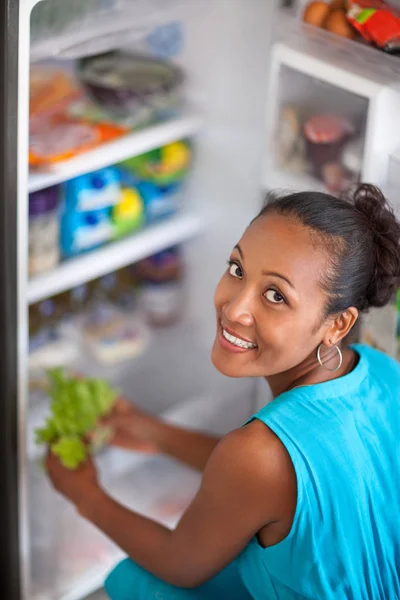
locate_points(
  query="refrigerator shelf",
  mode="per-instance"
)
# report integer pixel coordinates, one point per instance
(150, 138)
(350, 64)
(116, 255)
(71, 29)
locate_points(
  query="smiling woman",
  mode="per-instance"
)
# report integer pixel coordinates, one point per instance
(303, 270)
(302, 501)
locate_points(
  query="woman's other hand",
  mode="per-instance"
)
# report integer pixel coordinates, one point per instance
(132, 429)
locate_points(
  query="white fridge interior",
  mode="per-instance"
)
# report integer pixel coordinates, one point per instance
(65, 557)
(246, 62)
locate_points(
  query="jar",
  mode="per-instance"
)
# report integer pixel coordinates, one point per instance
(44, 230)
(162, 287)
(325, 136)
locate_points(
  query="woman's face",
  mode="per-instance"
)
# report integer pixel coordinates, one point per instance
(269, 303)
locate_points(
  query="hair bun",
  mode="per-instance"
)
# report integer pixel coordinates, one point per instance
(369, 201)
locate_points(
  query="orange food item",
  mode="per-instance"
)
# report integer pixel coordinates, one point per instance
(62, 138)
(337, 23)
(316, 13)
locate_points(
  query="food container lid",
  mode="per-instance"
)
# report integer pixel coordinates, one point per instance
(327, 128)
(43, 201)
(121, 71)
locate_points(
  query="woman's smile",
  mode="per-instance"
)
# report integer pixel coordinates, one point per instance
(231, 341)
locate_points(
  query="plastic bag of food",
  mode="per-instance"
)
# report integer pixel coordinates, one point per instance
(60, 138)
(51, 91)
(377, 22)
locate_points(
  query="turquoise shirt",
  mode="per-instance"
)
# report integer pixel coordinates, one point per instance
(343, 437)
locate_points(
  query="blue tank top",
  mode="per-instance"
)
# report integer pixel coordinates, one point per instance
(343, 437)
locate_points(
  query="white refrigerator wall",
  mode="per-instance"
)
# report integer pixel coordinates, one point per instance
(227, 58)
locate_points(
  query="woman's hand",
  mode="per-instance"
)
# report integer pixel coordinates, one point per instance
(132, 428)
(76, 485)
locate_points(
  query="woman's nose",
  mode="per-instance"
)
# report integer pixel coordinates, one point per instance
(240, 309)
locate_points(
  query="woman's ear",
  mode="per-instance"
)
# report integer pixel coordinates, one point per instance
(340, 327)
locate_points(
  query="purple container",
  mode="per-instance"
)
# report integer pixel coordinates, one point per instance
(43, 201)
(44, 230)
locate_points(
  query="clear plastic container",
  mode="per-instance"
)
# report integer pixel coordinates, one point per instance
(161, 295)
(44, 231)
(319, 130)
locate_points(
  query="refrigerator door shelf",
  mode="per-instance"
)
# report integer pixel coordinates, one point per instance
(359, 65)
(315, 74)
(116, 255)
(187, 124)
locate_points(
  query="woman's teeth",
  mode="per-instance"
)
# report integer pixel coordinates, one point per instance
(237, 341)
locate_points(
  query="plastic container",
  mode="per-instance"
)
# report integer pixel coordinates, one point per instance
(44, 230)
(129, 86)
(52, 343)
(162, 287)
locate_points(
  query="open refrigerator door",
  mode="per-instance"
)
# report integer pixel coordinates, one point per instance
(333, 119)
(145, 153)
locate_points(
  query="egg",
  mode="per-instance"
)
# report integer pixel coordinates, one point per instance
(338, 23)
(316, 13)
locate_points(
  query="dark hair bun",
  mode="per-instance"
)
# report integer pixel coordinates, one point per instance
(371, 203)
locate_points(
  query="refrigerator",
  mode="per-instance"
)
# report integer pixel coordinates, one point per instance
(246, 62)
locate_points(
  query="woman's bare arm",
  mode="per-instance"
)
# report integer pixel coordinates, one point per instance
(248, 482)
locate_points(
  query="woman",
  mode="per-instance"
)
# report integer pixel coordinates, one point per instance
(303, 501)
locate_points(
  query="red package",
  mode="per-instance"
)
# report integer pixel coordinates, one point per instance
(377, 23)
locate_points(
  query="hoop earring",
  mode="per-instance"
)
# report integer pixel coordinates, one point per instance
(322, 364)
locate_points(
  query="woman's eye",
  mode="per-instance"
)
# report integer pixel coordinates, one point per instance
(274, 296)
(235, 270)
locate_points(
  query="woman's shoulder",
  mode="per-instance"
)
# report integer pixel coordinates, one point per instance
(255, 451)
